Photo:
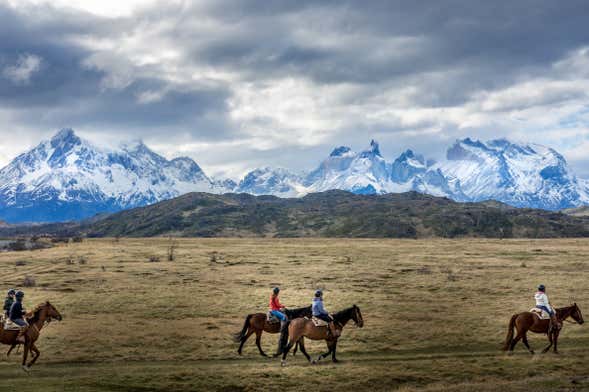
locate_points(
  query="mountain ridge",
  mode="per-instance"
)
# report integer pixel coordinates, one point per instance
(69, 178)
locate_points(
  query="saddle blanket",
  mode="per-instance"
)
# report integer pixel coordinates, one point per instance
(542, 314)
(10, 326)
(318, 322)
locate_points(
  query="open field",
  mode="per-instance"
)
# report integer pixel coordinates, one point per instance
(435, 312)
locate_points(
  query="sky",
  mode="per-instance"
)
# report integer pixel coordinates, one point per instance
(246, 84)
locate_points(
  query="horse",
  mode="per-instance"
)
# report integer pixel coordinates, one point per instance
(41, 315)
(528, 321)
(258, 323)
(301, 328)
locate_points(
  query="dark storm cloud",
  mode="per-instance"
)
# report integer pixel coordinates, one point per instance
(217, 84)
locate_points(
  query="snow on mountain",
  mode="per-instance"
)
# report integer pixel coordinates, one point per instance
(267, 181)
(69, 178)
(362, 173)
(522, 175)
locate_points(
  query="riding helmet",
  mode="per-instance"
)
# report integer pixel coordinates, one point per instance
(318, 293)
(541, 288)
(11, 292)
(20, 294)
(276, 290)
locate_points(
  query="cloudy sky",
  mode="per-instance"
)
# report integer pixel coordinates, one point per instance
(238, 85)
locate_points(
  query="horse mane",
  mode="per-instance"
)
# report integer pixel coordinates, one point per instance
(36, 311)
(343, 314)
(298, 311)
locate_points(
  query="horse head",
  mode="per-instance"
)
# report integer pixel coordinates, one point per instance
(357, 316)
(576, 314)
(52, 312)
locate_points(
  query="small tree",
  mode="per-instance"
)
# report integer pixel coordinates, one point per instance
(173, 244)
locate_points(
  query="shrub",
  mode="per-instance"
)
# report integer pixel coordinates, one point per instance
(29, 281)
(20, 263)
(154, 259)
(18, 245)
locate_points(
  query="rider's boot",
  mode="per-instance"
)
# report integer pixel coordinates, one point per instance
(554, 323)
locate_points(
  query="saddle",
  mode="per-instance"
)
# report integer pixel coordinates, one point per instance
(10, 326)
(318, 322)
(542, 314)
(271, 319)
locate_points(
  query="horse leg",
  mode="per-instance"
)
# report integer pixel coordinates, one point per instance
(35, 352)
(550, 345)
(330, 347)
(514, 342)
(525, 341)
(556, 341)
(11, 348)
(258, 340)
(243, 340)
(24, 357)
(301, 344)
(333, 358)
(292, 341)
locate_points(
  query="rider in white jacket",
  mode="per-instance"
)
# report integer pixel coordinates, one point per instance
(543, 303)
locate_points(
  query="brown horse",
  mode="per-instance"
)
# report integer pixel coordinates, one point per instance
(41, 315)
(258, 323)
(301, 328)
(528, 321)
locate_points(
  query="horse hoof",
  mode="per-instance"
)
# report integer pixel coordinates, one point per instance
(313, 362)
(283, 363)
(26, 368)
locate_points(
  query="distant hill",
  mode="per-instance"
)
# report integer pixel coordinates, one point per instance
(579, 211)
(326, 214)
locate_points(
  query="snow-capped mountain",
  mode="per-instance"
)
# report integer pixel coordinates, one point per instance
(69, 178)
(522, 175)
(366, 172)
(278, 182)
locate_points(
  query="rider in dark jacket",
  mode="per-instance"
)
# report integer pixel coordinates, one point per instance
(8, 302)
(17, 313)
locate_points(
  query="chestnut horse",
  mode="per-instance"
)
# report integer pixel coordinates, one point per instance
(257, 323)
(41, 315)
(301, 328)
(528, 321)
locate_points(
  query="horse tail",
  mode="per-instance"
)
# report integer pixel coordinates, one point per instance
(283, 337)
(241, 334)
(509, 337)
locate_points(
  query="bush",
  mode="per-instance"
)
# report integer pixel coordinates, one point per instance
(18, 245)
(154, 259)
(20, 263)
(77, 239)
(29, 282)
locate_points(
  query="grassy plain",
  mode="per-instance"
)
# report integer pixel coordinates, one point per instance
(435, 313)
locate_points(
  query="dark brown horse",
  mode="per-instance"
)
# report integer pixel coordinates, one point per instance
(301, 328)
(257, 323)
(528, 321)
(41, 315)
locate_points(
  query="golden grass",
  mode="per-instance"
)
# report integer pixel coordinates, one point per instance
(435, 313)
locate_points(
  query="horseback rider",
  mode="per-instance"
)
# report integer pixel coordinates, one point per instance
(277, 310)
(322, 314)
(543, 303)
(16, 315)
(8, 302)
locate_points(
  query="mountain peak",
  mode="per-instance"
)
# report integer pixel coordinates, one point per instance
(339, 151)
(64, 137)
(373, 151)
(374, 147)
